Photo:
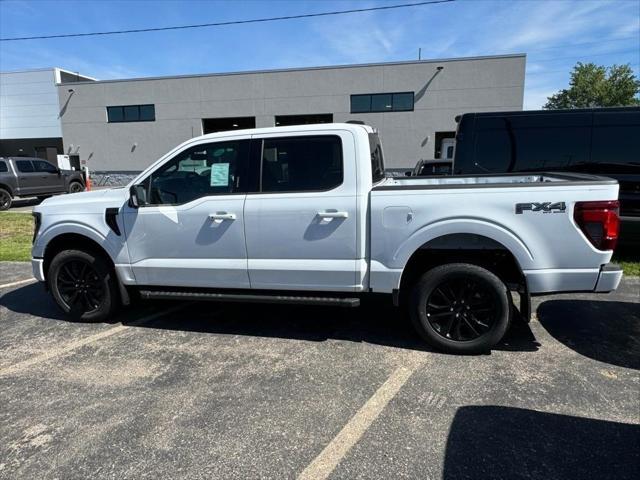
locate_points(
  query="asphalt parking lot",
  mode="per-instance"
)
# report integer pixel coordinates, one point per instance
(205, 390)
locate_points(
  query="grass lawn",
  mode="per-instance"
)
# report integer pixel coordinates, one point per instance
(629, 261)
(16, 230)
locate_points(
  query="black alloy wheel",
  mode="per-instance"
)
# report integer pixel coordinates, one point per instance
(83, 284)
(80, 286)
(75, 187)
(5, 199)
(462, 309)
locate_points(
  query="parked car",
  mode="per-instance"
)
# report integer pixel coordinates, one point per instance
(305, 214)
(602, 141)
(429, 168)
(33, 177)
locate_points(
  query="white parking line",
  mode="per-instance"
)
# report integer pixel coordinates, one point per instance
(56, 352)
(19, 282)
(335, 451)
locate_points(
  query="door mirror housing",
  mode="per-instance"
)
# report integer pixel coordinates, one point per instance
(137, 196)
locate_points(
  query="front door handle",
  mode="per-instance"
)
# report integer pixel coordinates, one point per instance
(333, 214)
(219, 217)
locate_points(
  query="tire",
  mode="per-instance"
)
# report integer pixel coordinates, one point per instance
(83, 285)
(460, 308)
(75, 187)
(5, 199)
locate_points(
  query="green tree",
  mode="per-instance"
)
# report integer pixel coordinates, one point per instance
(594, 85)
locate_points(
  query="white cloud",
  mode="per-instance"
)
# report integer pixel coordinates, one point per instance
(358, 38)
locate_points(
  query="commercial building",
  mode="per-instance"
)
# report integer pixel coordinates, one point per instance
(124, 125)
(30, 112)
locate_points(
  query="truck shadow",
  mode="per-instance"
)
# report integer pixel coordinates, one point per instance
(375, 322)
(506, 442)
(607, 331)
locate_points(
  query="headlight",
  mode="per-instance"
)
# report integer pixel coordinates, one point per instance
(37, 221)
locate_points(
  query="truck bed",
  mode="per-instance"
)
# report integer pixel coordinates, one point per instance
(495, 181)
(534, 221)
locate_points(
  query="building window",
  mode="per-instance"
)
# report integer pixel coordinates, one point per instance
(213, 125)
(131, 113)
(382, 102)
(287, 120)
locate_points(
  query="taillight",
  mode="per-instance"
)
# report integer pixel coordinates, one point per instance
(599, 222)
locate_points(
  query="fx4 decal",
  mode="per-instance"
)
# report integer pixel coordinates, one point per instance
(544, 207)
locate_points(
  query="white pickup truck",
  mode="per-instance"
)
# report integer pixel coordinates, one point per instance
(305, 214)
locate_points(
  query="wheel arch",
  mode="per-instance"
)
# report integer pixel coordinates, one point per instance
(80, 241)
(73, 241)
(6, 187)
(463, 226)
(463, 247)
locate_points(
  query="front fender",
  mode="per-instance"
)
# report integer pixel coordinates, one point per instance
(475, 226)
(109, 241)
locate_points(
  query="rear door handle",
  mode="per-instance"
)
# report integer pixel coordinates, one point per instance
(219, 217)
(333, 214)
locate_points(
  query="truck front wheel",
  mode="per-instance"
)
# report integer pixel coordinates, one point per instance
(460, 308)
(83, 285)
(5, 199)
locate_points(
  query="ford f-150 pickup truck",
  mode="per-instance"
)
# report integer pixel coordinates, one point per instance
(305, 214)
(33, 177)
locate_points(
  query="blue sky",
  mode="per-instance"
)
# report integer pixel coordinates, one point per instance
(555, 34)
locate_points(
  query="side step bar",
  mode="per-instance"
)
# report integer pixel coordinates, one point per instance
(250, 298)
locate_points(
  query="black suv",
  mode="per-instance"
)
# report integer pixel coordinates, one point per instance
(602, 141)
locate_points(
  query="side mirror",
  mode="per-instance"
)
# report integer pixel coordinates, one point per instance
(137, 196)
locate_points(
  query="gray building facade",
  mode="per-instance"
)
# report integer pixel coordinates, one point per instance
(124, 125)
(30, 123)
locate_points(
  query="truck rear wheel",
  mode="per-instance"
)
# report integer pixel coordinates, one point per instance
(5, 199)
(75, 187)
(83, 285)
(460, 308)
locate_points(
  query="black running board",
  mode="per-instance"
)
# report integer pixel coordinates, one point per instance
(250, 298)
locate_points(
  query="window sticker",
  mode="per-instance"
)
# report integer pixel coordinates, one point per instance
(220, 175)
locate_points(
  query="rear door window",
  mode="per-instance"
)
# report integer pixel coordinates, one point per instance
(42, 166)
(301, 164)
(24, 166)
